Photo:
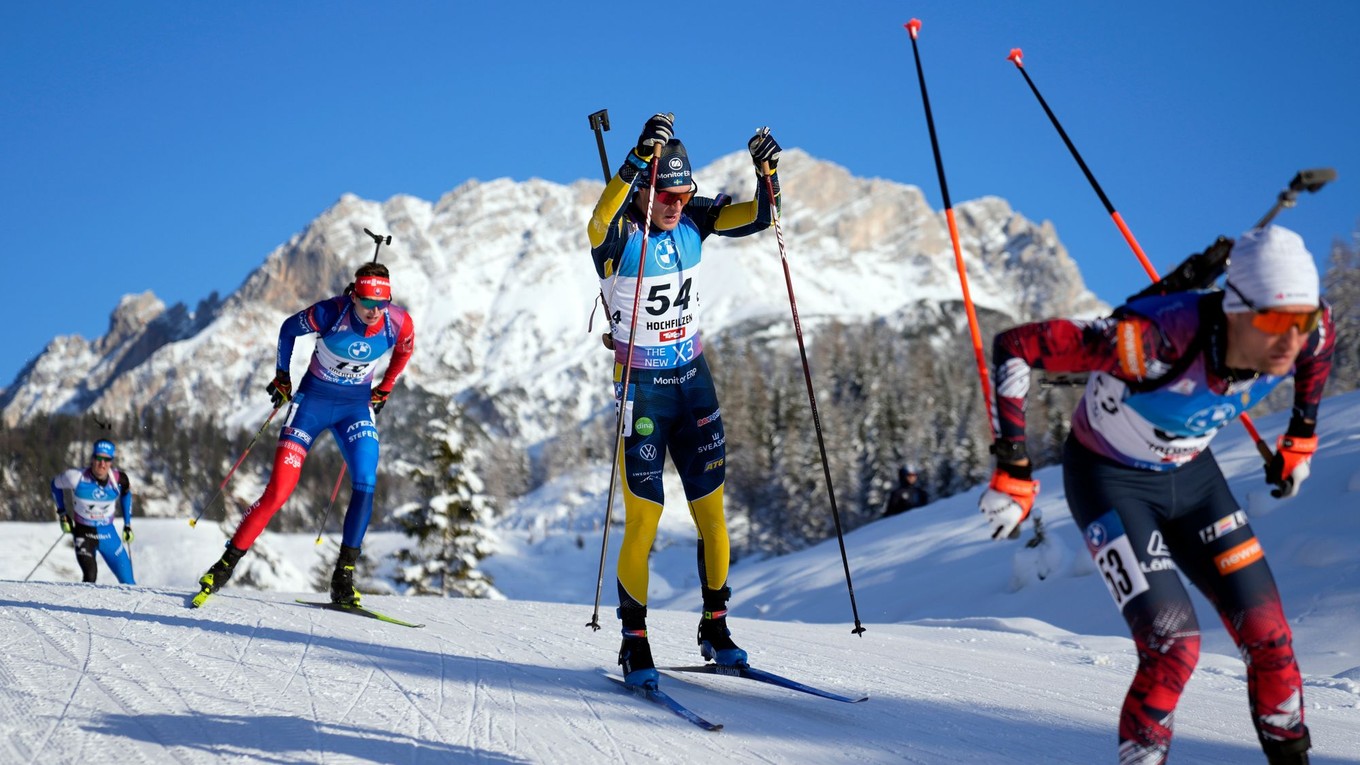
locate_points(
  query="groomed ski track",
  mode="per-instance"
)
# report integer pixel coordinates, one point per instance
(90, 672)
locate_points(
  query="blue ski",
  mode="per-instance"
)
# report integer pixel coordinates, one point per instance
(662, 698)
(764, 677)
(359, 611)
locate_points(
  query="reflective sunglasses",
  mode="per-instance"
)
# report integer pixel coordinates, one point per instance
(665, 198)
(101, 459)
(1274, 322)
(371, 304)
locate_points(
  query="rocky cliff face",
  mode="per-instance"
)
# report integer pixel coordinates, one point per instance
(497, 277)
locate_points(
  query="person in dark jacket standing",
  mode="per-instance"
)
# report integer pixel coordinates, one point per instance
(908, 495)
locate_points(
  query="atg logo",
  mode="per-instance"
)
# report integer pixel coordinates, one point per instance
(359, 350)
(676, 163)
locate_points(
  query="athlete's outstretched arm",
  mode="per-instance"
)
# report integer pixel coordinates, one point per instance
(747, 218)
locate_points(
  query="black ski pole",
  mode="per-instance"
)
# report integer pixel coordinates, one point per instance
(913, 28)
(43, 559)
(594, 622)
(1017, 57)
(1306, 180)
(812, 396)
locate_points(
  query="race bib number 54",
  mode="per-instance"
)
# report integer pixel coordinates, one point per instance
(1113, 553)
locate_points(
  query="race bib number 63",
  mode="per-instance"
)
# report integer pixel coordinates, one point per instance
(1113, 554)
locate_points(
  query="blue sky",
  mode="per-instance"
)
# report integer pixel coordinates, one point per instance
(170, 146)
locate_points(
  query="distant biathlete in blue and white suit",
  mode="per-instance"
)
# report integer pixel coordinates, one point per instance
(86, 502)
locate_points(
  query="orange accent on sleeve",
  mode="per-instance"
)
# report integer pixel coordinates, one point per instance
(1129, 336)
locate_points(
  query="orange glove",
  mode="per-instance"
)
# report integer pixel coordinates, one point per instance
(1289, 468)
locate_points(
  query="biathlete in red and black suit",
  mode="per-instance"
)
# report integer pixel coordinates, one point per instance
(356, 331)
(1167, 373)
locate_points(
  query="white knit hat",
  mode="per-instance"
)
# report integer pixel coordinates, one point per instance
(1270, 267)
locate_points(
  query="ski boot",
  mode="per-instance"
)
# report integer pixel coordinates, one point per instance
(343, 592)
(715, 640)
(1287, 752)
(217, 574)
(635, 655)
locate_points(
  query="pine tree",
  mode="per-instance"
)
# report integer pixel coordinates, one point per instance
(1341, 287)
(447, 528)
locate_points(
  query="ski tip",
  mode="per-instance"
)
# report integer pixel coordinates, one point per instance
(1016, 57)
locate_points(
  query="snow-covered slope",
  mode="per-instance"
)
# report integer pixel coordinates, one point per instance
(968, 655)
(104, 674)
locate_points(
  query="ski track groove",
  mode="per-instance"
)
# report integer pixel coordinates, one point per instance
(41, 746)
(140, 684)
(615, 753)
(412, 700)
(108, 688)
(495, 656)
(300, 669)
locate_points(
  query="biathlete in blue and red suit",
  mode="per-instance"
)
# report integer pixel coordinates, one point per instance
(1168, 373)
(355, 332)
(671, 405)
(95, 493)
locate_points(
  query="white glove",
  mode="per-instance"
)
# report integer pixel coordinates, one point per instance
(1006, 502)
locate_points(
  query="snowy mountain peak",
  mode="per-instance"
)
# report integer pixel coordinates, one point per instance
(497, 277)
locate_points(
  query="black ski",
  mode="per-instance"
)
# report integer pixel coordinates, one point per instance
(764, 677)
(661, 697)
(359, 611)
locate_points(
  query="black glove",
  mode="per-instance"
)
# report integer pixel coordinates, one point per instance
(764, 148)
(281, 389)
(658, 130)
(378, 399)
(127, 533)
(65, 521)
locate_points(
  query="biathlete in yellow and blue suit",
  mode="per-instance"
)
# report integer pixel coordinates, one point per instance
(670, 405)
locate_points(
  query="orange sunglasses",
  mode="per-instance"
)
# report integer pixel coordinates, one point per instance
(671, 197)
(1274, 322)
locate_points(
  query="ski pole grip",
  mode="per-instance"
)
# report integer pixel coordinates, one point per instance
(1017, 57)
(913, 27)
